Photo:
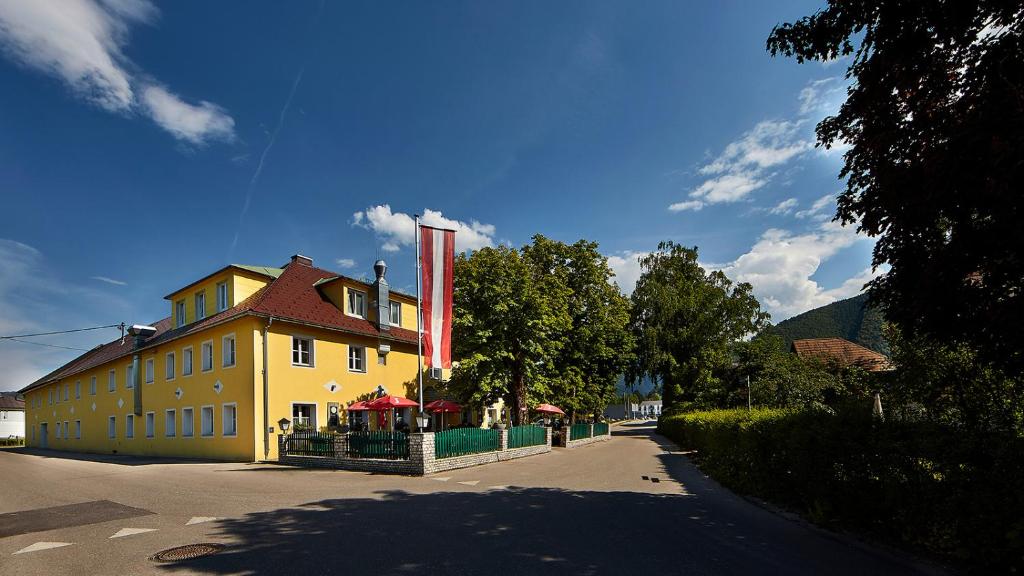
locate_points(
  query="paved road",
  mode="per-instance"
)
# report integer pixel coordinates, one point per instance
(583, 511)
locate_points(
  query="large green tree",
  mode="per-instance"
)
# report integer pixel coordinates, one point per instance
(507, 327)
(597, 345)
(684, 320)
(934, 121)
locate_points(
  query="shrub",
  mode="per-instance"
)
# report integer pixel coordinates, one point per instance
(950, 493)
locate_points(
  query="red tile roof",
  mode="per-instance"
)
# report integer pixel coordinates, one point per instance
(843, 351)
(11, 403)
(292, 296)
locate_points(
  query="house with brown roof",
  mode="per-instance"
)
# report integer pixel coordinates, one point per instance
(12, 415)
(242, 348)
(843, 352)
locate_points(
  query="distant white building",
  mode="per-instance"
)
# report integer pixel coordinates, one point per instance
(645, 409)
(12, 417)
(650, 409)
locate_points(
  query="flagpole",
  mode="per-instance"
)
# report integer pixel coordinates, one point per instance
(419, 318)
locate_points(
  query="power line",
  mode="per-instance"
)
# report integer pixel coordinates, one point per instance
(16, 336)
(13, 339)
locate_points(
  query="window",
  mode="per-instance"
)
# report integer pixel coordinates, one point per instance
(186, 361)
(112, 381)
(230, 423)
(396, 313)
(129, 426)
(356, 359)
(67, 429)
(302, 351)
(206, 356)
(92, 386)
(129, 377)
(78, 429)
(112, 427)
(149, 370)
(150, 424)
(169, 366)
(58, 430)
(200, 305)
(227, 351)
(356, 303)
(179, 313)
(206, 421)
(49, 399)
(222, 296)
(67, 389)
(169, 423)
(187, 426)
(303, 416)
(78, 389)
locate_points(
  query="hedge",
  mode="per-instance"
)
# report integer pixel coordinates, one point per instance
(949, 493)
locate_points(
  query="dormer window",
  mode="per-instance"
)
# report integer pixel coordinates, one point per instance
(356, 303)
(222, 296)
(179, 313)
(200, 305)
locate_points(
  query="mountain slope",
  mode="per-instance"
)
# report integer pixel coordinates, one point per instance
(851, 319)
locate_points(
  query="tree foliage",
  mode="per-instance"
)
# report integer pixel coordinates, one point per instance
(934, 121)
(684, 319)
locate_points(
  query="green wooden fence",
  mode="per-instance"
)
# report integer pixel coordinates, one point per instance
(579, 431)
(601, 429)
(378, 444)
(310, 444)
(523, 436)
(459, 441)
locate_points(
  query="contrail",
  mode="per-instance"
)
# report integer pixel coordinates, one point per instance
(263, 157)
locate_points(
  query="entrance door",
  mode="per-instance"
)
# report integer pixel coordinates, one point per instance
(42, 435)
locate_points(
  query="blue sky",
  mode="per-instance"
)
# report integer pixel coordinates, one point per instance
(142, 146)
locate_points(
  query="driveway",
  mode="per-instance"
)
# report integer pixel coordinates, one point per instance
(630, 505)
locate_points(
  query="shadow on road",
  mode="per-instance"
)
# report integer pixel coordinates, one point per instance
(118, 459)
(522, 531)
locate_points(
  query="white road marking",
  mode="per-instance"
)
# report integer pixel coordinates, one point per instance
(200, 520)
(132, 532)
(497, 487)
(442, 479)
(470, 482)
(42, 546)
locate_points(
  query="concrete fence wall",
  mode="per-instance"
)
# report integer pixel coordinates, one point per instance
(422, 459)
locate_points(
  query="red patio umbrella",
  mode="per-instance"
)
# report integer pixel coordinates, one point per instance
(549, 409)
(358, 406)
(443, 407)
(389, 401)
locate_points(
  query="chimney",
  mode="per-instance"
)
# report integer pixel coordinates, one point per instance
(382, 295)
(304, 260)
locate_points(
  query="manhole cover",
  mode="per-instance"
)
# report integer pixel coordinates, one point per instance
(187, 552)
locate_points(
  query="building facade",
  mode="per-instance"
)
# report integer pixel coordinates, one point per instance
(12, 416)
(242, 349)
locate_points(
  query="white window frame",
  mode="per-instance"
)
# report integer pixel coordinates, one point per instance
(78, 429)
(213, 421)
(360, 357)
(190, 431)
(78, 389)
(170, 417)
(224, 419)
(352, 300)
(311, 354)
(202, 356)
(169, 367)
(129, 426)
(224, 349)
(111, 426)
(150, 370)
(150, 424)
(222, 296)
(200, 310)
(313, 414)
(392, 306)
(92, 386)
(188, 361)
(129, 377)
(179, 314)
(112, 381)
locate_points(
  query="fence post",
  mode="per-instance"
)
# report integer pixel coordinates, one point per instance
(504, 440)
(421, 451)
(282, 445)
(591, 429)
(547, 436)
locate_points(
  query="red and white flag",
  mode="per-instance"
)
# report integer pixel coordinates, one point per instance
(437, 254)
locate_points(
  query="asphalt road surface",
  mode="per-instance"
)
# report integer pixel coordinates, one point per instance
(633, 505)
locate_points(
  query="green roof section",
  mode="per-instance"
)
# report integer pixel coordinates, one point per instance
(265, 270)
(325, 280)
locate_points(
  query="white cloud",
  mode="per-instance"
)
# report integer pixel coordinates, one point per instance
(817, 210)
(626, 266)
(780, 266)
(784, 207)
(81, 42)
(744, 165)
(194, 124)
(822, 97)
(398, 229)
(345, 263)
(108, 280)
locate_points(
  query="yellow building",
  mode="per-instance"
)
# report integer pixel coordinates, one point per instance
(243, 348)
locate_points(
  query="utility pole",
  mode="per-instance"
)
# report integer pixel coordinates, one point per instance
(748, 392)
